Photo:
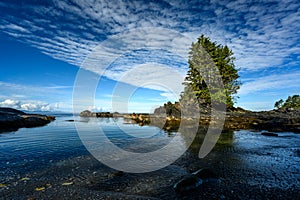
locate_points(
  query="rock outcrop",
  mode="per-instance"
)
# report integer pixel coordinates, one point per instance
(12, 119)
(274, 120)
(168, 117)
(88, 113)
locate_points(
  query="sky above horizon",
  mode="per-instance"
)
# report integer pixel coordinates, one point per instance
(139, 49)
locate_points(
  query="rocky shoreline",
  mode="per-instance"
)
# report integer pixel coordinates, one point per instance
(279, 120)
(237, 119)
(12, 119)
(274, 120)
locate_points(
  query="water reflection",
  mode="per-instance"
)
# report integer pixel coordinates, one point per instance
(186, 130)
(225, 139)
(259, 160)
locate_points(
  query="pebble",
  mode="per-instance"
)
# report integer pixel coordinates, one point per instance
(25, 179)
(40, 189)
(3, 185)
(67, 183)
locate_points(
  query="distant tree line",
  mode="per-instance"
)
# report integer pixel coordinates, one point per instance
(290, 102)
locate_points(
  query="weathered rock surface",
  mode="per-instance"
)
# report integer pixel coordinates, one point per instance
(274, 120)
(88, 113)
(12, 119)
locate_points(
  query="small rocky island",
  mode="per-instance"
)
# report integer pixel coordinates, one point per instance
(88, 113)
(12, 119)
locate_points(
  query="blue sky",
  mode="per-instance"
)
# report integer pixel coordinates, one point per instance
(143, 46)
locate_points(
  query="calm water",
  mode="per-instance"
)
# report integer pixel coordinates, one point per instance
(30, 149)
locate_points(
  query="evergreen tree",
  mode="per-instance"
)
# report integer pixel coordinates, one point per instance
(278, 104)
(204, 57)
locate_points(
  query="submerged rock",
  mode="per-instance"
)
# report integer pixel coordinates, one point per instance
(187, 183)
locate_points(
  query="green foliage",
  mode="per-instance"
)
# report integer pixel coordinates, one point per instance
(209, 64)
(278, 104)
(290, 102)
(172, 109)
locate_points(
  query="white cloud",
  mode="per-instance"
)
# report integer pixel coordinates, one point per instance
(28, 105)
(19, 96)
(15, 28)
(10, 103)
(110, 17)
(263, 35)
(147, 76)
(271, 82)
(169, 44)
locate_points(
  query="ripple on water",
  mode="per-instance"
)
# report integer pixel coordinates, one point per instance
(272, 161)
(29, 149)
